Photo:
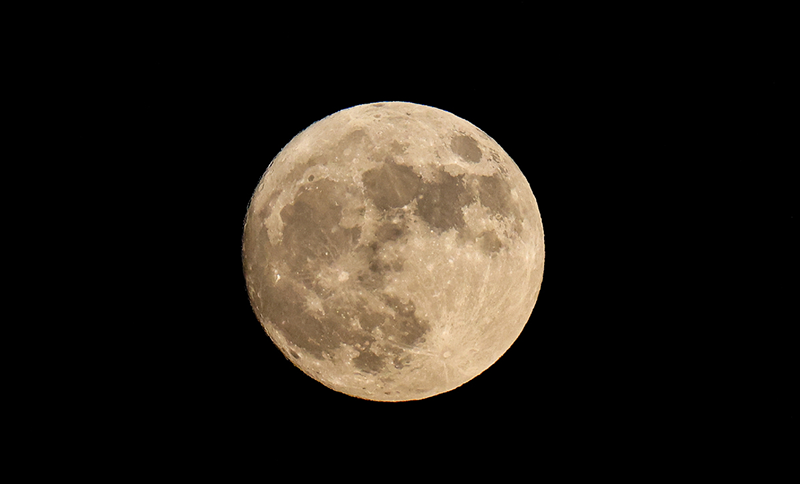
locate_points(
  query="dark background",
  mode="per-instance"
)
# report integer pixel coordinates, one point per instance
(659, 155)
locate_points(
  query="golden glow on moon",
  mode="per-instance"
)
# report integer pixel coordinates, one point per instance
(393, 251)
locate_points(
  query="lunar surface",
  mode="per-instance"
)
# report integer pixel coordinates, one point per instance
(393, 251)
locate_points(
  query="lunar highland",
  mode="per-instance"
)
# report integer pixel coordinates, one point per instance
(393, 251)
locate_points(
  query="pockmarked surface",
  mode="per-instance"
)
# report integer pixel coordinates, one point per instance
(393, 251)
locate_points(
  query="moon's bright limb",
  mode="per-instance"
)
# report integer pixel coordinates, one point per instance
(393, 251)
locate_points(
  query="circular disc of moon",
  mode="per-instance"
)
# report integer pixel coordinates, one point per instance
(393, 251)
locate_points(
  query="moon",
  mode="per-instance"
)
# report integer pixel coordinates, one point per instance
(393, 251)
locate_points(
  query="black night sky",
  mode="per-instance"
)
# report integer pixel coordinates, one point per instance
(659, 167)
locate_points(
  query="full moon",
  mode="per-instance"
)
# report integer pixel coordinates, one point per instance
(393, 251)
